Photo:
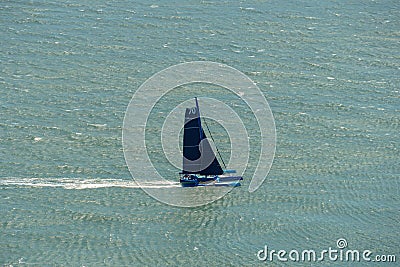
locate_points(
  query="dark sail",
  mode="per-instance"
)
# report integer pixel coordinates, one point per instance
(198, 156)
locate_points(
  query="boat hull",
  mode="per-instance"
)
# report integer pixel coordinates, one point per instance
(214, 181)
(230, 178)
(206, 179)
(230, 184)
(189, 183)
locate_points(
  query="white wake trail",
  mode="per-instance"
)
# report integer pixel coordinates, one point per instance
(77, 183)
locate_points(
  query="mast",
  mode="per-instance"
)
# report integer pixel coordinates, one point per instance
(200, 128)
(212, 138)
(201, 132)
(198, 110)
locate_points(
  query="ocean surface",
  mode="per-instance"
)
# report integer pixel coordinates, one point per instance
(330, 71)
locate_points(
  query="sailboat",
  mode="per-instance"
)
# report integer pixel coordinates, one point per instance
(200, 164)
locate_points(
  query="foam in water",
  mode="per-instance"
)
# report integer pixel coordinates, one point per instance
(71, 183)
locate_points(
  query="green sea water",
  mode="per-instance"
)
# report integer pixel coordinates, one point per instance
(329, 70)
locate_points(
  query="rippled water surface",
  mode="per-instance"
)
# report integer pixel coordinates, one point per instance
(329, 70)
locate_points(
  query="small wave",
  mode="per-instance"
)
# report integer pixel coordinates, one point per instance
(97, 125)
(71, 183)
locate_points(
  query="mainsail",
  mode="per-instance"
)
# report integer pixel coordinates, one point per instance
(198, 156)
